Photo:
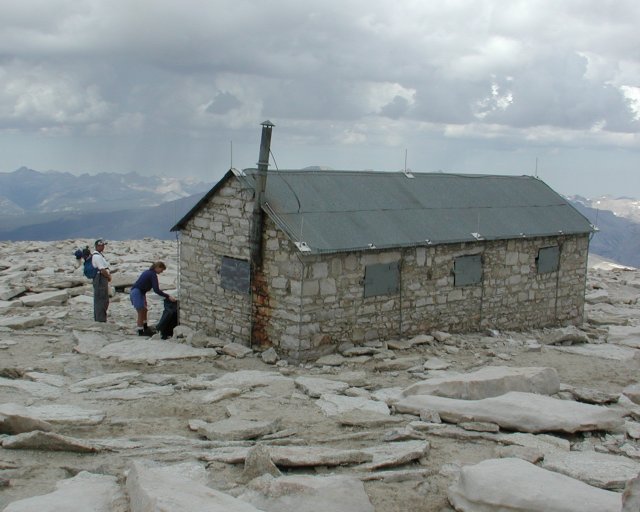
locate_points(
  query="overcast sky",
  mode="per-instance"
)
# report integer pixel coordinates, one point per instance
(179, 88)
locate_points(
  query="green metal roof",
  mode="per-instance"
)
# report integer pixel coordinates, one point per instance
(333, 211)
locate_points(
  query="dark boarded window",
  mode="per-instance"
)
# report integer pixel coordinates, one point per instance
(548, 259)
(381, 279)
(467, 270)
(235, 275)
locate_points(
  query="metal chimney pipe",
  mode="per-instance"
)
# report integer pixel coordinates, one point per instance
(261, 185)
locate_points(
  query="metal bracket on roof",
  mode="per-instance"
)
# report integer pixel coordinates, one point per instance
(477, 236)
(237, 172)
(371, 246)
(595, 229)
(523, 235)
(302, 246)
(408, 173)
(429, 242)
(560, 232)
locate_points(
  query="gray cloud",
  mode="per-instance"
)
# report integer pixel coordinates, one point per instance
(223, 103)
(504, 75)
(396, 108)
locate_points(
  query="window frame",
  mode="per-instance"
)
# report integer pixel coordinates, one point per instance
(235, 274)
(548, 259)
(381, 279)
(464, 273)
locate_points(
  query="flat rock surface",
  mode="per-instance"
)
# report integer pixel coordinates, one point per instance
(524, 412)
(246, 379)
(22, 321)
(45, 299)
(137, 350)
(82, 493)
(37, 389)
(170, 488)
(47, 441)
(513, 484)
(295, 456)
(308, 494)
(395, 454)
(603, 470)
(489, 381)
(628, 335)
(315, 386)
(55, 413)
(606, 351)
(333, 405)
(237, 429)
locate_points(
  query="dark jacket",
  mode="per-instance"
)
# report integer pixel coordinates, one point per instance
(149, 280)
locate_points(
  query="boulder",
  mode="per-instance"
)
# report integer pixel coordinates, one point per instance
(237, 429)
(314, 386)
(170, 488)
(603, 470)
(631, 495)
(519, 486)
(489, 381)
(85, 491)
(47, 441)
(333, 405)
(57, 298)
(258, 462)
(523, 412)
(301, 493)
(22, 322)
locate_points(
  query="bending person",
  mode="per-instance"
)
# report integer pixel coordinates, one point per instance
(147, 281)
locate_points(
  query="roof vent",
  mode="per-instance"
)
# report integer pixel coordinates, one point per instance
(302, 246)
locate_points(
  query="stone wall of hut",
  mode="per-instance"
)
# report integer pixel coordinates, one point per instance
(323, 303)
(221, 228)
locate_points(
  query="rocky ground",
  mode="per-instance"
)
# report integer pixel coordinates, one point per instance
(93, 417)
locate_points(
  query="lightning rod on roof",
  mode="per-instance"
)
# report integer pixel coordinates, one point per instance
(407, 172)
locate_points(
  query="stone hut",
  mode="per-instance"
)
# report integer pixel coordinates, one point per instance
(355, 256)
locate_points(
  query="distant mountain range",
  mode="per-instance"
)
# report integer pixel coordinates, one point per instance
(618, 223)
(26, 191)
(132, 224)
(625, 207)
(59, 206)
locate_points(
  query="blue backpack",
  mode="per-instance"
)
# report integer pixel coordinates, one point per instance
(89, 270)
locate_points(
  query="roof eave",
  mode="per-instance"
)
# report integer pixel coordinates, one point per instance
(305, 249)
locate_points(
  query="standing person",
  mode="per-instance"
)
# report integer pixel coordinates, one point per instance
(100, 282)
(148, 280)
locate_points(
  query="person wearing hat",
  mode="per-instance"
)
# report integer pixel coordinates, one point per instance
(100, 282)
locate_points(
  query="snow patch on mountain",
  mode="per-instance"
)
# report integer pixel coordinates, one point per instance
(625, 207)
